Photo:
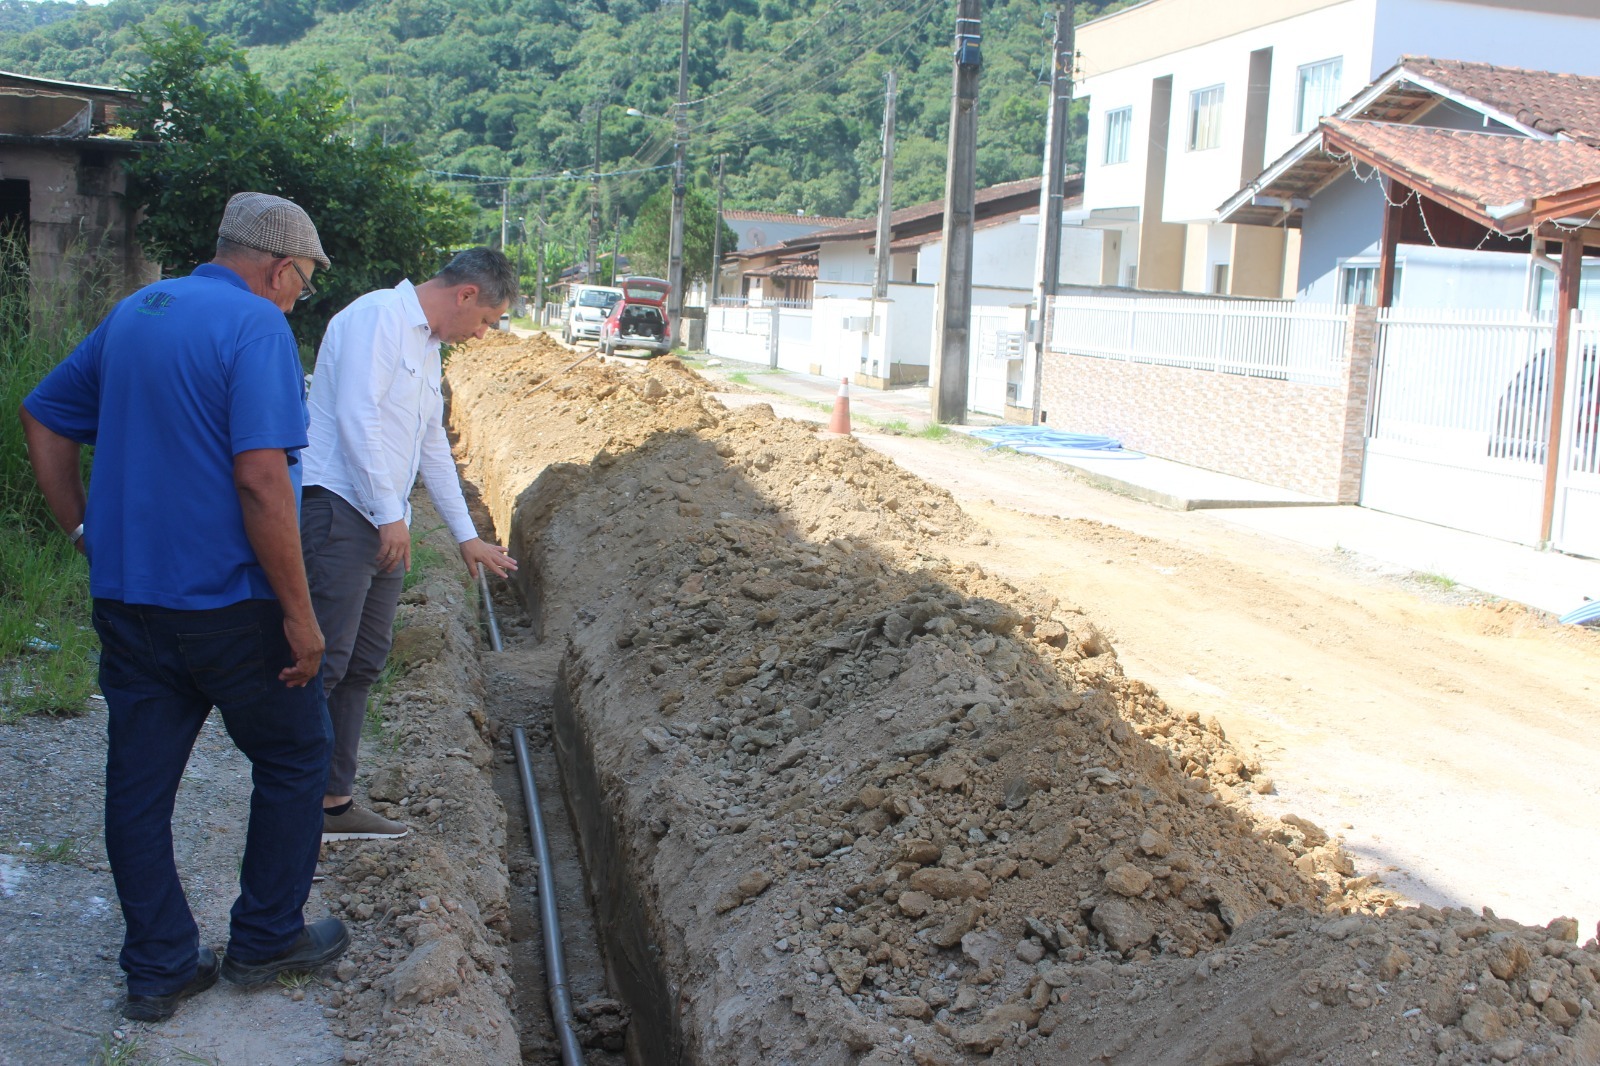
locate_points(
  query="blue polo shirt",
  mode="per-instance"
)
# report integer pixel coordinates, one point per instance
(178, 379)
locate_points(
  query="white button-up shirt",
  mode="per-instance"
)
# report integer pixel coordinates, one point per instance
(377, 412)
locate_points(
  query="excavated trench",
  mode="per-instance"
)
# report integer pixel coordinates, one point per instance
(843, 801)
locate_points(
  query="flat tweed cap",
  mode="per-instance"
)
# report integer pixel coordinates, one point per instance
(271, 224)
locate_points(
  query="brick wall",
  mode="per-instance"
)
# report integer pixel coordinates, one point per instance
(1308, 438)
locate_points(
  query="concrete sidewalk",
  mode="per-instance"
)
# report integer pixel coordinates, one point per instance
(1548, 581)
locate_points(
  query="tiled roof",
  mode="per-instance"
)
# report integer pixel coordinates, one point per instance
(819, 221)
(1473, 172)
(800, 266)
(781, 248)
(1551, 103)
(935, 236)
(857, 229)
(1548, 107)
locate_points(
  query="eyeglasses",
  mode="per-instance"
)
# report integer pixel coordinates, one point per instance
(307, 290)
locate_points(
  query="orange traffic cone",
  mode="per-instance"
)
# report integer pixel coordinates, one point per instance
(840, 422)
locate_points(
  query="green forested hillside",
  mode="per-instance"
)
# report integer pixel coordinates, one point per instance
(789, 91)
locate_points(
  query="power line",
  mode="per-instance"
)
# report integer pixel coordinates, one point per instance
(773, 96)
(456, 178)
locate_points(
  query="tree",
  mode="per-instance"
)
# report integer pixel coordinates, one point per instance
(262, 21)
(213, 129)
(650, 239)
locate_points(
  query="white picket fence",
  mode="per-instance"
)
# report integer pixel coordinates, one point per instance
(1260, 338)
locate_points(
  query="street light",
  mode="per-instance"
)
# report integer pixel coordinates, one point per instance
(680, 137)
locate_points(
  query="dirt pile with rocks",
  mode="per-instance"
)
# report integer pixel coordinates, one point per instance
(427, 979)
(849, 802)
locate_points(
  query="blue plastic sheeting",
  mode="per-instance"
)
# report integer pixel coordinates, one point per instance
(1588, 614)
(1036, 440)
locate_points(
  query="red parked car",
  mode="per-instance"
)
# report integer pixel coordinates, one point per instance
(639, 319)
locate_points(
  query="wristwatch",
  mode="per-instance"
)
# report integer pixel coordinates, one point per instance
(77, 534)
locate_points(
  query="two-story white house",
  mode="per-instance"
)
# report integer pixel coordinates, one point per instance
(1190, 99)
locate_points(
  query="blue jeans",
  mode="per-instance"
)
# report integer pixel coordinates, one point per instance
(162, 671)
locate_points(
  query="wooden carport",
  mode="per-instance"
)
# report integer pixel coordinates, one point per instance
(1454, 189)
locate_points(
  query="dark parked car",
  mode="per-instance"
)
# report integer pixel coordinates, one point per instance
(1522, 420)
(639, 319)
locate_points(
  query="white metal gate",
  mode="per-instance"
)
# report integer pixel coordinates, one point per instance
(1459, 420)
(743, 333)
(995, 344)
(1576, 526)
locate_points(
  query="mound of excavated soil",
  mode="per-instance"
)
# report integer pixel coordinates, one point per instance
(427, 979)
(845, 802)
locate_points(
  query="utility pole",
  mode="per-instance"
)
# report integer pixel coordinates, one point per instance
(716, 243)
(522, 258)
(680, 134)
(505, 192)
(1048, 264)
(949, 377)
(616, 250)
(594, 202)
(880, 277)
(538, 284)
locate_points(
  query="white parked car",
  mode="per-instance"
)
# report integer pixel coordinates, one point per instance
(587, 307)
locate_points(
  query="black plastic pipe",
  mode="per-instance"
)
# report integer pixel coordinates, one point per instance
(488, 608)
(554, 961)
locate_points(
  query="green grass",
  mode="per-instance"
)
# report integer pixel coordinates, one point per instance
(47, 650)
(66, 850)
(372, 723)
(739, 377)
(934, 431)
(111, 1051)
(294, 979)
(61, 851)
(1438, 581)
(425, 558)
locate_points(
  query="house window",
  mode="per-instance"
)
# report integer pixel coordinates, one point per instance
(1118, 125)
(1219, 279)
(1205, 118)
(1588, 290)
(1358, 284)
(1316, 92)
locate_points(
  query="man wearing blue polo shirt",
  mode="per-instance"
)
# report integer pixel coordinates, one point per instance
(190, 392)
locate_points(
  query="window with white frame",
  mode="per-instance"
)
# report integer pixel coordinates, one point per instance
(1119, 124)
(1316, 92)
(1205, 118)
(1358, 283)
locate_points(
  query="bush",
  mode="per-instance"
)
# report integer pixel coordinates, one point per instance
(213, 128)
(47, 649)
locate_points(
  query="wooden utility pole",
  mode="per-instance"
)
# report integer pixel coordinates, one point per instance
(594, 202)
(1051, 194)
(616, 251)
(716, 243)
(949, 371)
(680, 134)
(1567, 283)
(538, 269)
(880, 276)
(505, 196)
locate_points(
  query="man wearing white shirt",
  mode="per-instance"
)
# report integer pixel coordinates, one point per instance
(377, 420)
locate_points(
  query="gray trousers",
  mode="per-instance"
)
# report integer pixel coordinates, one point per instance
(355, 606)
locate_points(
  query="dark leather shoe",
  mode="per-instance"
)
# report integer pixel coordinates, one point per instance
(159, 1008)
(319, 944)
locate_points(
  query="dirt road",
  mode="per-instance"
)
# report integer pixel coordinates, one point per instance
(1452, 742)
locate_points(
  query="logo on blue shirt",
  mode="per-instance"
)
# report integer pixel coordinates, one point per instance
(156, 303)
